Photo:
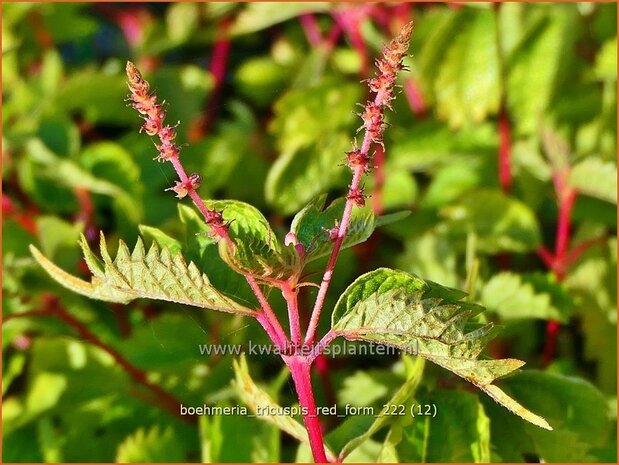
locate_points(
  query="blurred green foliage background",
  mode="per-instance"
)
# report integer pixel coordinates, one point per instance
(502, 144)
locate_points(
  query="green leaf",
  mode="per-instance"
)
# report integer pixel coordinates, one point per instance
(181, 21)
(450, 182)
(356, 430)
(606, 61)
(596, 178)
(428, 143)
(460, 431)
(68, 173)
(399, 309)
(152, 446)
(256, 399)
(97, 94)
(221, 436)
(297, 176)
(468, 87)
(432, 37)
(312, 128)
(390, 218)
(578, 411)
(58, 238)
(257, 16)
(537, 64)
(501, 223)
(256, 249)
(161, 238)
(261, 79)
(111, 162)
(155, 275)
(310, 226)
(431, 255)
(362, 388)
(512, 297)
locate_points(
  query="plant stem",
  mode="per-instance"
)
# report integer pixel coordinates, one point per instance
(311, 29)
(154, 114)
(566, 197)
(270, 316)
(300, 370)
(341, 234)
(290, 295)
(505, 174)
(563, 229)
(414, 97)
(324, 342)
(217, 69)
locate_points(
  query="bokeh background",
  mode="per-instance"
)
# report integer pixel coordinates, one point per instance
(502, 145)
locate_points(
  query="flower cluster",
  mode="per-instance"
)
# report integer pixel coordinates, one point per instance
(390, 64)
(154, 114)
(383, 85)
(183, 188)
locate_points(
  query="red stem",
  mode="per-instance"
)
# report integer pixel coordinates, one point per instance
(300, 370)
(566, 197)
(281, 339)
(576, 251)
(290, 294)
(546, 256)
(415, 99)
(350, 20)
(563, 229)
(25, 220)
(311, 29)
(219, 64)
(505, 174)
(332, 37)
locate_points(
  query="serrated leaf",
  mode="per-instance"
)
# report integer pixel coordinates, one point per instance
(256, 399)
(310, 226)
(257, 251)
(399, 309)
(152, 446)
(467, 87)
(512, 297)
(156, 274)
(501, 223)
(596, 178)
